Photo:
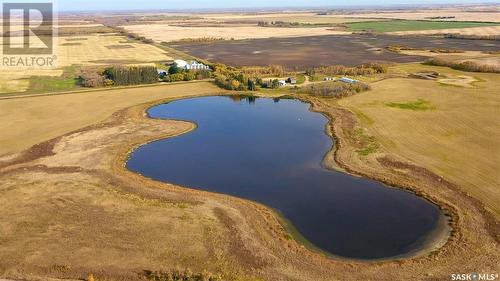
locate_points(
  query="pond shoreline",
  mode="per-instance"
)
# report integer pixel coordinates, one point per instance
(254, 240)
(432, 242)
(333, 160)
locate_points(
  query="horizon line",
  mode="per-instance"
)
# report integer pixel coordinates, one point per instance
(291, 8)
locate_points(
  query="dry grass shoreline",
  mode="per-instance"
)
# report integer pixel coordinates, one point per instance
(439, 238)
(254, 240)
(336, 161)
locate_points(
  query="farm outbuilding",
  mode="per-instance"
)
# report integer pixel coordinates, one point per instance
(162, 72)
(197, 66)
(348, 80)
(193, 65)
(180, 63)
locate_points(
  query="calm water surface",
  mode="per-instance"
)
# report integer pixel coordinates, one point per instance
(272, 152)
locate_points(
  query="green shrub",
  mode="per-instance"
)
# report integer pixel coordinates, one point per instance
(189, 76)
(176, 77)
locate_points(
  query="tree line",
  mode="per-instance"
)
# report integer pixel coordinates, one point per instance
(364, 69)
(334, 89)
(118, 76)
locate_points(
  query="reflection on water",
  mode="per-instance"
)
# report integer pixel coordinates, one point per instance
(271, 151)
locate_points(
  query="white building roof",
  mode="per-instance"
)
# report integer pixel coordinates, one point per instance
(348, 80)
(181, 63)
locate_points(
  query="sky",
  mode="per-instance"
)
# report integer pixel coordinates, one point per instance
(97, 5)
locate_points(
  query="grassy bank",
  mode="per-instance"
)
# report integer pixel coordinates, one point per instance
(450, 130)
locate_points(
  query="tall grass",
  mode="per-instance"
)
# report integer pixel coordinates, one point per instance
(178, 275)
(470, 66)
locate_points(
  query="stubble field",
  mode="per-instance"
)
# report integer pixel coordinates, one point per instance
(170, 33)
(472, 31)
(84, 50)
(409, 26)
(483, 15)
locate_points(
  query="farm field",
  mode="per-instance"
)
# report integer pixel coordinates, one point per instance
(473, 31)
(170, 33)
(312, 18)
(407, 25)
(102, 49)
(303, 52)
(83, 50)
(234, 19)
(433, 14)
(47, 117)
(455, 134)
(466, 14)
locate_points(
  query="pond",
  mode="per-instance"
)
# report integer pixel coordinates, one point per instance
(271, 151)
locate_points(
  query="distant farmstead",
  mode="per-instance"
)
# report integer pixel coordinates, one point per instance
(193, 65)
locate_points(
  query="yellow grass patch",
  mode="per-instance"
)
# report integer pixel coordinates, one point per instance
(11, 81)
(17, 81)
(459, 81)
(459, 138)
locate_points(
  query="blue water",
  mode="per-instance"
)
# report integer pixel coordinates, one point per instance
(271, 151)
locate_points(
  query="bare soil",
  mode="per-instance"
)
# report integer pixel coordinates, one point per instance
(303, 52)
